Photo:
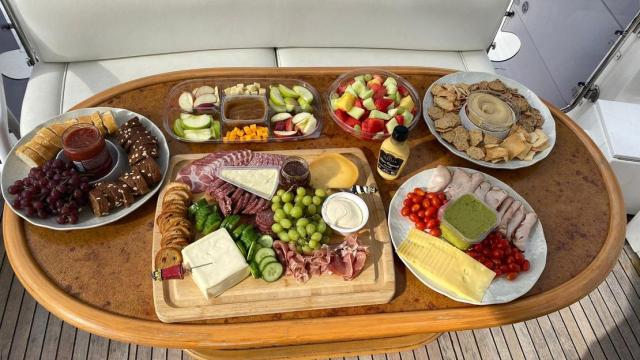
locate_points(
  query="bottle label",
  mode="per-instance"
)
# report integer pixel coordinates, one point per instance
(388, 163)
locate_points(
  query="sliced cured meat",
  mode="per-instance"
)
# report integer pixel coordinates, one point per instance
(265, 159)
(494, 197)
(439, 180)
(476, 179)
(202, 172)
(481, 191)
(508, 215)
(515, 221)
(243, 201)
(521, 235)
(459, 185)
(503, 208)
(253, 200)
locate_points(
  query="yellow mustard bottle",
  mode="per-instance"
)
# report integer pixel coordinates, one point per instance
(394, 153)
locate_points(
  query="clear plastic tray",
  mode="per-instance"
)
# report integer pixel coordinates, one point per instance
(172, 109)
(350, 75)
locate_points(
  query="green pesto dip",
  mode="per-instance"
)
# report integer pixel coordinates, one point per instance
(470, 216)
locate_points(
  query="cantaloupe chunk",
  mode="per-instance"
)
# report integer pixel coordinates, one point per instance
(333, 171)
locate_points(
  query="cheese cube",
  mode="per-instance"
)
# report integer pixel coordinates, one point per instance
(447, 266)
(227, 265)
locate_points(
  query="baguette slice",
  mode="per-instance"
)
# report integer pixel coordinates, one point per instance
(39, 139)
(51, 137)
(43, 151)
(97, 121)
(109, 122)
(58, 129)
(85, 119)
(30, 157)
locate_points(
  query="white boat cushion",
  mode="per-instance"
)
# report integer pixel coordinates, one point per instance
(56, 87)
(458, 60)
(72, 30)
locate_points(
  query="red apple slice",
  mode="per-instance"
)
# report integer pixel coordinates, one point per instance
(284, 133)
(185, 101)
(288, 125)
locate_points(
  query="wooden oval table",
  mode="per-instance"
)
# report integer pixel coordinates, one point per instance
(98, 279)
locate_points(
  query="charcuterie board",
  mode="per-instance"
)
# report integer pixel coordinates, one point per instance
(181, 300)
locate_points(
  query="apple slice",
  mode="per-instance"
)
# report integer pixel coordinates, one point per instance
(281, 117)
(304, 93)
(205, 100)
(288, 125)
(185, 101)
(275, 96)
(310, 125)
(286, 92)
(203, 90)
(284, 133)
(279, 126)
(301, 117)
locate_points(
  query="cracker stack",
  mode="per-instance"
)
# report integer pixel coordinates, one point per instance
(47, 141)
(174, 225)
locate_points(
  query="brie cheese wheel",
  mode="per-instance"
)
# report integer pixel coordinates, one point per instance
(226, 265)
(259, 181)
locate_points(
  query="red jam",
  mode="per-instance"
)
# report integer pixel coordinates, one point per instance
(85, 147)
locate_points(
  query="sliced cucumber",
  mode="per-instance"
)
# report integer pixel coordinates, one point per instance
(266, 241)
(242, 249)
(255, 271)
(266, 261)
(197, 121)
(263, 253)
(304, 93)
(178, 128)
(272, 271)
(251, 253)
(197, 135)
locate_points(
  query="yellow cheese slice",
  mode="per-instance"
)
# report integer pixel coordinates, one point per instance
(445, 265)
(333, 171)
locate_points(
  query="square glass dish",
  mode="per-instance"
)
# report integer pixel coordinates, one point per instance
(215, 110)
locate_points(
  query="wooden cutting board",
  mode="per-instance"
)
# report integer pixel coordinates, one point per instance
(181, 300)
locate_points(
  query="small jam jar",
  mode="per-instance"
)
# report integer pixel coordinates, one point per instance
(85, 147)
(294, 172)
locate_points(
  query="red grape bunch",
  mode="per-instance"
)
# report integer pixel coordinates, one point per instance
(55, 188)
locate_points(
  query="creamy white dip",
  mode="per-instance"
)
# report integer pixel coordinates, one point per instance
(343, 212)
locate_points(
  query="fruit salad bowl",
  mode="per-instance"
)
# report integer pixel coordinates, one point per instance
(368, 103)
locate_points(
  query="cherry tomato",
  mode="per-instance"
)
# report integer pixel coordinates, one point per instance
(472, 253)
(430, 212)
(514, 267)
(405, 211)
(432, 223)
(418, 199)
(504, 268)
(421, 213)
(414, 218)
(525, 265)
(497, 254)
(436, 202)
(498, 272)
(426, 203)
(419, 191)
(420, 225)
(407, 202)
(442, 196)
(512, 275)
(510, 259)
(415, 208)
(435, 232)
(410, 195)
(518, 256)
(488, 264)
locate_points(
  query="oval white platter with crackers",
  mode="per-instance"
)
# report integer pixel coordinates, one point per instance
(140, 159)
(529, 140)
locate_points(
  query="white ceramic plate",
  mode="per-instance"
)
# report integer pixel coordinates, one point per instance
(549, 126)
(501, 290)
(15, 169)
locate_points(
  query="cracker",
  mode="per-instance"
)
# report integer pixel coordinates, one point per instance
(496, 154)
(435, 112)
(449, 136)
(475, 152)
(461, 140)
(491, 140)
(475, 137)
(444, 103)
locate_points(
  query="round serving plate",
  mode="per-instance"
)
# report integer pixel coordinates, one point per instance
(15, 169)
(501, 290)
(549, 126)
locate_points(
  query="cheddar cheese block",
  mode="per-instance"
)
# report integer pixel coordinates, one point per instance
(333, 171)
(445, 265)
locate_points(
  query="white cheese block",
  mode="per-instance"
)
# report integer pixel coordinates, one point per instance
(228, 266)
(262, 181)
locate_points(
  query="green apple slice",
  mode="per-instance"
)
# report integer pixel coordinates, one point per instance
(286, 92)
(177, 127)
(304, 93)
(275, 96)
(197, 121)
(215, 129)
(198, 135)
(290, 103)
(277, 108)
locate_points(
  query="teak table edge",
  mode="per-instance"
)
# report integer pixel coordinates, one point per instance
(317, 330)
